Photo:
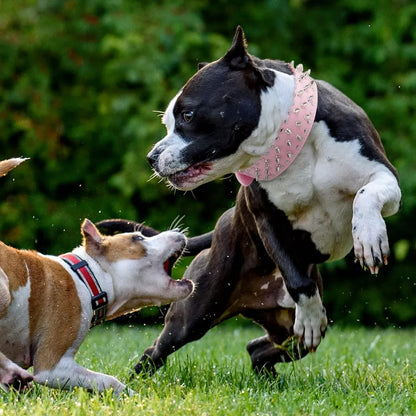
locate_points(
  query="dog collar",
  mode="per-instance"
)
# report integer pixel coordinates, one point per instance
(292, 135)
(99, 299)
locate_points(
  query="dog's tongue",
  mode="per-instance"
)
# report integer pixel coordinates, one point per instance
(166, 266)
(244, 179)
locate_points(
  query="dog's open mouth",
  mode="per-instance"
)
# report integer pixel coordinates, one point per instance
(170, 262)
(184, 285)
(190, 174)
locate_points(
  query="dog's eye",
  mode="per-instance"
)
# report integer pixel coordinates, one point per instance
(137, 237)
(187, 116)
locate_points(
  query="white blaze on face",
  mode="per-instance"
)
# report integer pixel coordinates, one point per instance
(172, 145)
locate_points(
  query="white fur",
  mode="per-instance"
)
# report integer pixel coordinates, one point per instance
(317, 192)
(17, 329)
(171, 145)
(147, 283)
(310, 320)
(275, 105)
(67, 373)
(379, 197)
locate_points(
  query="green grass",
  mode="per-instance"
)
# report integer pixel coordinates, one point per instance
(354, 372)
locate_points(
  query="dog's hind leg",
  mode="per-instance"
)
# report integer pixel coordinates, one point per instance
(11, 375)
(279, 344)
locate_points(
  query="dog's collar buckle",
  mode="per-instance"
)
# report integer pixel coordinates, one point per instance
(99, 299)
(292, 133)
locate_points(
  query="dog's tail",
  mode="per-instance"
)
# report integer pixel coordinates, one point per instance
(7, 165)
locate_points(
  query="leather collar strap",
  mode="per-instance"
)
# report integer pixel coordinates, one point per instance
(99, 300)
(292, 134)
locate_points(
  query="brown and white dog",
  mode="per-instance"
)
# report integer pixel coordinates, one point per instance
(48, 303)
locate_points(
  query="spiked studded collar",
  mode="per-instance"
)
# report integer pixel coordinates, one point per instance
(99, 299)
(292, 135)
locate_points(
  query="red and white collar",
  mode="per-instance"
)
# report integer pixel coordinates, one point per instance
(99, 299)
(292, 135)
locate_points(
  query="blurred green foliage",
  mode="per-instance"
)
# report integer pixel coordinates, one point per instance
(82, 84)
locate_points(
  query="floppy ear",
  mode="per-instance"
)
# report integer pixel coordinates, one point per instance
(92, 239)
(237, 57)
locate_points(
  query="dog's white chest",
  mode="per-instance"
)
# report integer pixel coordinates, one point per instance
(317, 191)
(14, 328)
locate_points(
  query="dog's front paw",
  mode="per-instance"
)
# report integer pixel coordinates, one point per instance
(310, 321)
(146, 363)
(371, 244)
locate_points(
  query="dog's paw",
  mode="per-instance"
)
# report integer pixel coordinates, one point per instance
(310, 321)
(371, 244)
(146, 363)
(15, 378)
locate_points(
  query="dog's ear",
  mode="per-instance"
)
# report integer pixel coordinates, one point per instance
(237, 58)
(92, 239)
(201, 65)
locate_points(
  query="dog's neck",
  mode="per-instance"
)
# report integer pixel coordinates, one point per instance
(292, 135)
(95, 279)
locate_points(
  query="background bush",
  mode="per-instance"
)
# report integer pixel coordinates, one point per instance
(81, 84)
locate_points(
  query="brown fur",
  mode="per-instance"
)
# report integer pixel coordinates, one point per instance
(48, 282)
(122, 247)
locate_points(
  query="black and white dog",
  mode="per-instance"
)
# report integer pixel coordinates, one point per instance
(322, 186)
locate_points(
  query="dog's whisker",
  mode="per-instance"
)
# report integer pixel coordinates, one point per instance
(159, 113)
(171, 188)
(154, 175)
(229, 176)
(177, 222)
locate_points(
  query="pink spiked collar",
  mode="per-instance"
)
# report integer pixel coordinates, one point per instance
(292, 134)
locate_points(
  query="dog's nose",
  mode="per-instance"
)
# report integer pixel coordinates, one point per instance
(153, 156)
